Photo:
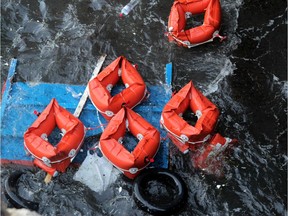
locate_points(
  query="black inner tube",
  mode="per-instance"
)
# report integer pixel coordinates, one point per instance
(159, 191)
(11, 193)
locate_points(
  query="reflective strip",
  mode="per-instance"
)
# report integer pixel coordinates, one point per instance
(187, 43)
(109, 87)
(44, 136)
(72, 153)
(120, 140)
(188, 15)
(46, 161)
(109, 113)
(140, 136)
(184, 138)
(133, 170)
(63, 132)
(198, 113)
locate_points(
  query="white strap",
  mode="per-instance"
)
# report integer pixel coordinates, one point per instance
(188, 44)
(183, 139)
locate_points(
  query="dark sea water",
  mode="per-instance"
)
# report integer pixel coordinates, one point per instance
(245, 76)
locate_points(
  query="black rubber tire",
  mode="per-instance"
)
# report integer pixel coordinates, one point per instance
(153, 203)
(10, 191)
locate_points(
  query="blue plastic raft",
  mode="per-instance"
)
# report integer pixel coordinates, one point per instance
(20, 100)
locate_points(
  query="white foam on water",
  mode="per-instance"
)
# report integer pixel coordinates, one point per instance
(282, 84)
(71, 23)
(285, 89)
(97, 4)
(43, 9)
(226, 71)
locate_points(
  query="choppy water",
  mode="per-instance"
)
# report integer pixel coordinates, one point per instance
(245, 76)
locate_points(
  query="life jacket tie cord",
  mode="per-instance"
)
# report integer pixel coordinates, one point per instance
(95, 128)
(222, 38)
(190, 45)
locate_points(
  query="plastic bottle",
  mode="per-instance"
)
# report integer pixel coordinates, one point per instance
(128, 7)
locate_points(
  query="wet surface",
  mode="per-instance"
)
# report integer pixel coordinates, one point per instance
(245, 76)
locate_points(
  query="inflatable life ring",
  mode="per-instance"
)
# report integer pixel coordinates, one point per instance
(184, 135)
(183, 9)
(101, 86)
(10, 191)
(150, 195)
(111, 142)
(48, 157)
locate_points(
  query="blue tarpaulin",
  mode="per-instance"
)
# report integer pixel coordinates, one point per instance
(20, 99)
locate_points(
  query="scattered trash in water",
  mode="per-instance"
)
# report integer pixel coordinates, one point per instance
(97, 173)
(120, 189)
(129, 7)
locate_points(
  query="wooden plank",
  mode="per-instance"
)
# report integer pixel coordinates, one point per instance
(7, 86)
(84, 96)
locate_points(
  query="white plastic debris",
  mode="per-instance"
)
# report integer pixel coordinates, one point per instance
(120, 189)
(96, 172)
(74, 94)
(129, 7)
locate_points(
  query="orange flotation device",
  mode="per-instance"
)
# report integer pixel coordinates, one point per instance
(100, 88)
(112, 147)
(182, 9)
(184, 135)
(206, 157)
(53, 159)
